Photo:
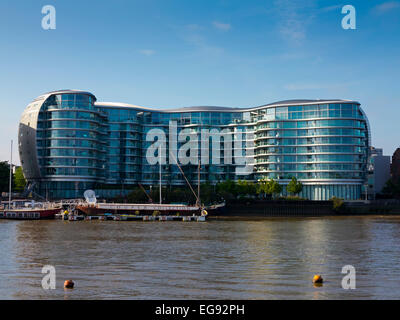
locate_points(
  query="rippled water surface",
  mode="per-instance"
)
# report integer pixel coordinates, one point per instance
(265, 259)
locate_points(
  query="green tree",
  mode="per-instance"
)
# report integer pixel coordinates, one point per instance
(4, 176)
(294, 187)
(269, 187)
(208, 194)
(263, 187)
(137, 196)
(275, 188)
(246, 189)
(391, 189)
(337, 204)
(227, 189)
(19, 180)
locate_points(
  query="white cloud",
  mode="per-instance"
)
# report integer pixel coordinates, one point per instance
(293, 31)
(331, 8)
(294, 17)
(201, 44)
(292, 56)
(386, 6)
(222, 26)
(147, 52)
(194, 35)
(194, 27)
(316, 86)
(302, 86)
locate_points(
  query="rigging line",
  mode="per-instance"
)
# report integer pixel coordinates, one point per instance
(197, 199)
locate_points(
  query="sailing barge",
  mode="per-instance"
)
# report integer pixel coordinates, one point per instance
(92, 209)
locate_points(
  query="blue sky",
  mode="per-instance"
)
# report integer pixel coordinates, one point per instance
(185, 53)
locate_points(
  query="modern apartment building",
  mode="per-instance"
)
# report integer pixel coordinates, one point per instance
(70, 142)
(378, 172)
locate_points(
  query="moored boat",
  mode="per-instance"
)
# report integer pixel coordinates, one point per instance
(92, 209)
(29, 213)
(26, 210)
(132, 208)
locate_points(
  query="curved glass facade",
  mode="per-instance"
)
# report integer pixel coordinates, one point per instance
(80, 143)
(71, 144)
(123, 146)
(323, 145)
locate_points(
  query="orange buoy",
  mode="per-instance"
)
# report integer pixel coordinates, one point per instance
(317, 279)
(69, 284)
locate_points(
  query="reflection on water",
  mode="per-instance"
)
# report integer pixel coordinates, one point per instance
(274, 258)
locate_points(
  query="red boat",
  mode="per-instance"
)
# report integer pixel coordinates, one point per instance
(29, 213)
(26, 210)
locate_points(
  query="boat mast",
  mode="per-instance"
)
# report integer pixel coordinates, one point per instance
(198, 184)
(10, 182)
(159, 151)
(198, 169)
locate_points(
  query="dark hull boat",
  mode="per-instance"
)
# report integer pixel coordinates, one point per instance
(145, 209)
(132, 208)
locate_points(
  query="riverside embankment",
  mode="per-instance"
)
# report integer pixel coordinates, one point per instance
(282, 208)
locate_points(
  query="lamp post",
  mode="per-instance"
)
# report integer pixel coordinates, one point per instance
(10, 182)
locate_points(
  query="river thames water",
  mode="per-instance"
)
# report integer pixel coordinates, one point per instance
(272, 258)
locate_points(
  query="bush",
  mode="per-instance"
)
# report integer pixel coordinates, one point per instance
(294, 187)
(294, 198)
(337, 203)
